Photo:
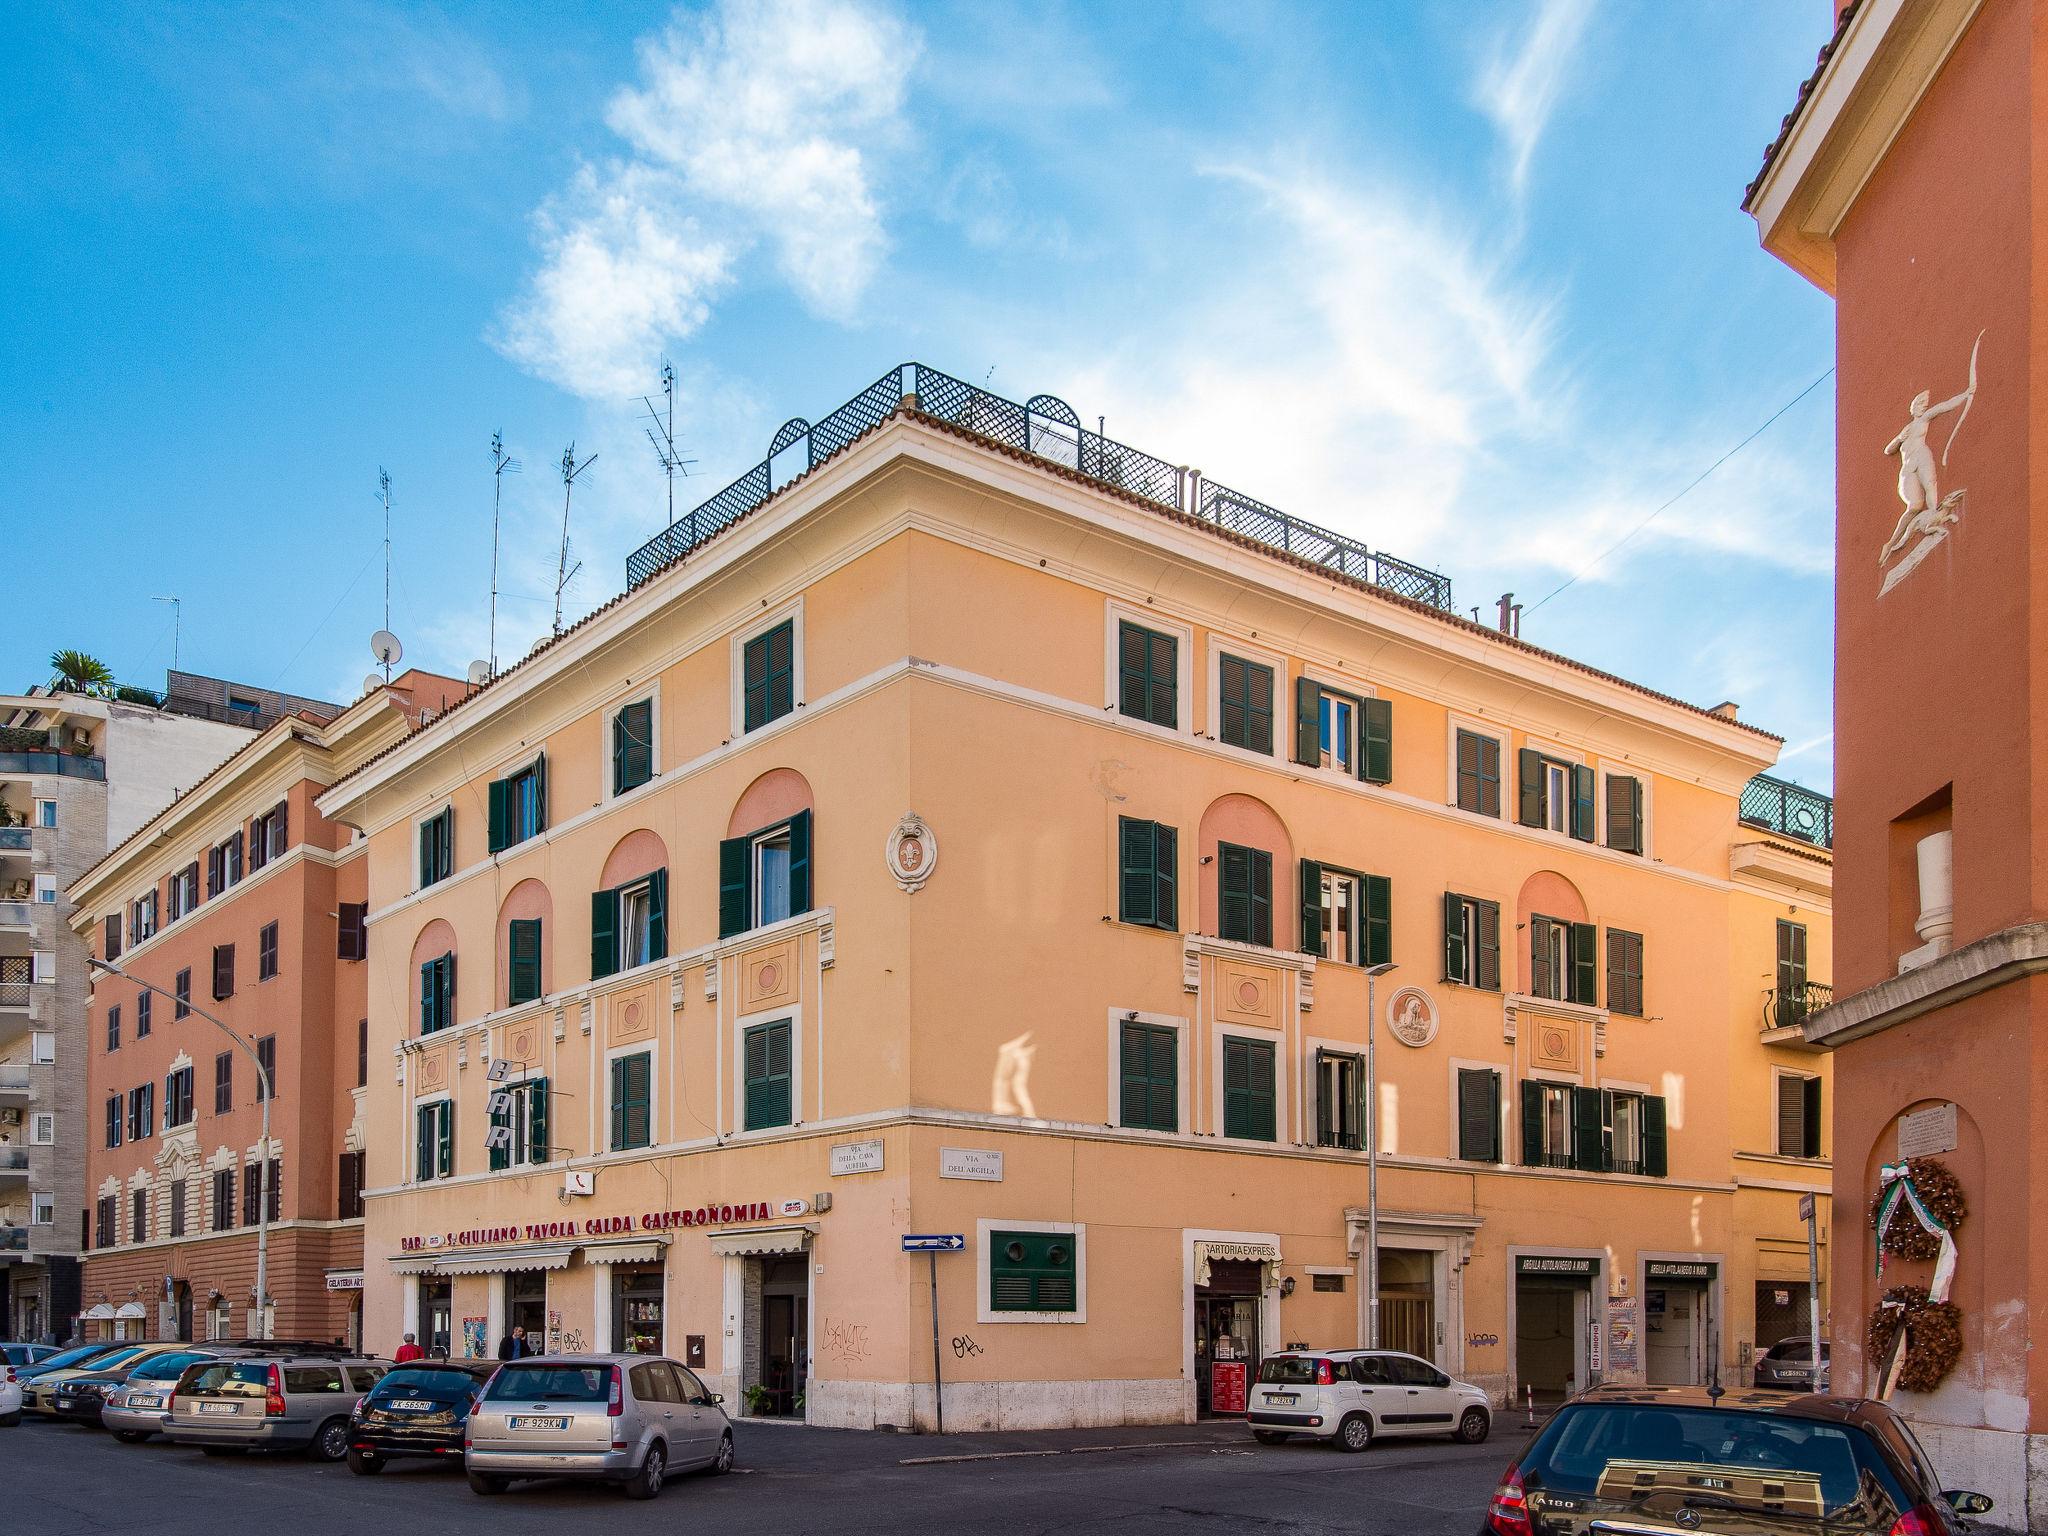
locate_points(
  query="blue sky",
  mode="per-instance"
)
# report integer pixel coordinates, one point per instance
(1468, 281)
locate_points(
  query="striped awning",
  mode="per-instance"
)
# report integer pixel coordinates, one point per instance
(623, 1253)
(503, 1261)
(763, 1240)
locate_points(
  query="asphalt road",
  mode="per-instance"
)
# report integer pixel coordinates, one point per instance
(66, 1481)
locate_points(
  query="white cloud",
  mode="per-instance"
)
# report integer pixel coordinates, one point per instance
(1520, 85)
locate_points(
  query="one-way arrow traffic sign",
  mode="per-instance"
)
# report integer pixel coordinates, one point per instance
(933, 1242)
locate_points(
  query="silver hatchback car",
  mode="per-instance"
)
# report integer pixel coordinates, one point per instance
(626, 1419)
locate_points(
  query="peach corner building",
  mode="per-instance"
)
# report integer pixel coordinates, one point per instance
(966, 824)
(1906, 182)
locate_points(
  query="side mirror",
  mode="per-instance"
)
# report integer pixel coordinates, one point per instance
(1964, 1503)
(718, 1397)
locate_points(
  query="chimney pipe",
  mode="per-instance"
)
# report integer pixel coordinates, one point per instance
(1507, 603)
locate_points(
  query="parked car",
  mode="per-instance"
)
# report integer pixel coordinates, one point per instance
(1701, 1459)
(272, 1402)
(625, 1419)
(78, 1354)
(103, 1397)
(39, 1388)
(14, 1356)
(10, 1402)
(418, 1409)
(1789, 1363)
(1352, 1396)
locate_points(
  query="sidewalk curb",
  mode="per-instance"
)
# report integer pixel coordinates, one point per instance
(1071, 1450)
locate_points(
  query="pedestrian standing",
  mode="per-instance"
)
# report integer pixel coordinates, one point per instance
(409, 1350)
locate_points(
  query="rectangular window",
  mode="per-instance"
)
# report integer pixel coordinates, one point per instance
(46, 814)
(1624, 813)
(521, 1111)
(1798, 1116)
(767, 1065)
(103, 1235)
(1562, 963)
(522, 945)
(768, 682)
(632, 746)
(42, 1129)
(142, 917)
(145, 1007)
(437, 994)
(1346, 916)
(1336, 912)
(1148, 674)
(1148, 858)
(1344, 731)
(1791, 971)
(114, 1121)
(266, 1058)
(138, 1217)
(1248, 1099)
(1478, 1115)
(1625, 972)
(629, 925)
(1337, 730)
(223, 1082)
(182, 992)
(1326, 1282)
(519, 805)
(252, 1195)
(1245, 700)
(1593, 1130)
(352, 931)
(114, 1028)
(1478, 773)
(1546, 1125)
(1033, 1272)
(362, 1053)
(765, 876)
(348, 1184)
(1245, 893)
(434, 1140)
(224, 1200)
(274, 827)
(1340, 1100)
(1555, 795)
(639, 923)
(42, 1047)
(178, 1208)
(437, 847)
(633, 1100)
(142, 1112)
(178, 1098)
(42, 1208)
(1624, 1132)
(771, 877)
(110, 936)
(1149, 1077)
(266, 952)
(270, 1182)
(223, 865)
(46, 889)
(223, 971)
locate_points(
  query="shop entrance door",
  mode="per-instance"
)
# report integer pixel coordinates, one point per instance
(182, 1312)
(1678, 1323)
(1227, 1334)
(636, 1309)
(1408, 1301)
(526, 1306)
(437, 1315)
(1553, 1316)
(785, 1336)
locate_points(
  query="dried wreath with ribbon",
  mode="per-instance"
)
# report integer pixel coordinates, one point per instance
(1933, 1339)
(1918, 1206)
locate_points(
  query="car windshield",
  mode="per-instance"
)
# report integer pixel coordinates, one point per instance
(1288, 1370)
(71, 1357)
(411, 1382)
(552, 1384)
(119, 1357)
(1665, 1459)
(229, 1378)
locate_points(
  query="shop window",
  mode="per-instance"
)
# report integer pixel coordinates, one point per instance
(437, 847)
(629, 924)
(522, 945)
(1033, 1271)
(1148, 674)
(434, 1140)
(519, 805)
(1249, 1109)
(1625, 972)
(1563, 963)
(1478, 1115)
(1346, 916)
(768, 688)
(1148, 856)
(764, 876)
(1245, 704)
(632, 746)
(768, 1067)
(1340, 1100)
(437, 994)
(520, 1111)
(1245, 894)
(1555, 794)
(633, 1100)
(1798, 1115)
(1149, 1073)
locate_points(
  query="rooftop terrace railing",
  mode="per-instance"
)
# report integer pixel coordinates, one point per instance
(1045, 427)
(1790, 810)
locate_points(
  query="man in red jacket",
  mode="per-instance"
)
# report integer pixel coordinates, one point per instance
(409, 1350)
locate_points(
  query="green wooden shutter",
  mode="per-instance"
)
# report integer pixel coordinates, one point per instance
(1325, 1120)
(1311, 907)
(537, 1149)
(447, 964)
(1541, 982)
(1478, 1115)
(1584, 942)
(1581, 820)
(1131, 650)
(1136, 887)
(540, 794)
(1487, 970)
(1589, 1130)
(632, 746)
(1308, 725)
(1131, 1075)
(604, 933)
(427, 875)
(1532, 1124)
(1376, 755)
(429, 976)
(501, 1157)
(1656, 1159)
(1032, 1272)
(767, 1076)
(1165, 877)
(617, 1139)
(1149, 1088)
(445, 1146)
(1262, 897)
(1624, 813)
(799, 863)
(735, 899)
(1454, 937)
(1248, 1105)
(632, 1098)
(422, 1164)
(523, 978)
(1810, 1145)
(501, 817)
(1379, 919)
(1529, 783)
(1163, 665)
(1234, 891)
(657, 915)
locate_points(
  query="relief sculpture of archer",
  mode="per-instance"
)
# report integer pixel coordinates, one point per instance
(1927, 513)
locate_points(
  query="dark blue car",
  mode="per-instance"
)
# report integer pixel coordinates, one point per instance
(416, 1410)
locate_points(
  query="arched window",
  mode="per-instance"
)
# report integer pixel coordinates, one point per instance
(629, 914)
(764, 863)
(432, 974)
(1246, 859)
(526, 969)
(1560, 955)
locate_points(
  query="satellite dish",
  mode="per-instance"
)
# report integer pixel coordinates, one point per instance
(385, 647)
(479, 673)
(372, 683)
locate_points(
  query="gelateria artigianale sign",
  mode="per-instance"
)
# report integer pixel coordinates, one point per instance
(607, 1226)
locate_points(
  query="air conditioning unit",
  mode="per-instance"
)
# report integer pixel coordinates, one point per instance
(10, 1117)
(80, 736)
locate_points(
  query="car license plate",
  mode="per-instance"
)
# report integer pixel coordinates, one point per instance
(527, 1421)
(145, 1402)
(1289, 1398)
(219, 1408)
(412, 1404)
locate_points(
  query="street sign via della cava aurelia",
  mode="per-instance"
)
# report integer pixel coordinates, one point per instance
(933, 1242)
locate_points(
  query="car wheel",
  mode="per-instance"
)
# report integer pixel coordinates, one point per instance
(1270, 1436)
(483, 1482)
(646, 1483)
(330, 1441)
(1474, 1425)
(722, 1462)
(131, 1436)
(1355, 1433)
(11, 1420)
(363, 1464)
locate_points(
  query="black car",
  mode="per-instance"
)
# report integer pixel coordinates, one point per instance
(1697, 1460)
(420, 1409)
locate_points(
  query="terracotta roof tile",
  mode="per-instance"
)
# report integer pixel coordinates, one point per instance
(1806, 88)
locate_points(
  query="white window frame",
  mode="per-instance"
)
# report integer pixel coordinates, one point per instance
(42, 1048)
(1778, 1075)
(1283, 695)
(1496, 734)
(650, 696)
(1113, 614)
(757, 882)
(46, 890)
(42, 1128)
(1558, 756)
(1284, 1131)
(412, 1151)
(640, 891)
(1602, 767)
(1641, 1091)
(1504, 1073)
(737, 666)
(1313, 1088)
(1351, 690)
(42, 1209)
(1118, 1017)
(651, 1049)
(46, 812)
(984, 1243)
(1356, 881)
(42, 965)
(526, 762)
(740, 1026)
(148, 902)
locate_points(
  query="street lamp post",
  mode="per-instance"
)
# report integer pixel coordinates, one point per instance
(1372, 1154)
(263, 1087)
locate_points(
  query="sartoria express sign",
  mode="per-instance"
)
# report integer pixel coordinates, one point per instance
(608, 1226)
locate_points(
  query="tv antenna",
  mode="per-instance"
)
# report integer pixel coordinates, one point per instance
(385, 647)
(177, 624)
(662, 434)
(384, 494)
(502, 464)
(563, 570)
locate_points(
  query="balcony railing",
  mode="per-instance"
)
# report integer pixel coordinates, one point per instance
(13, 1239)
(15, 839)
(13, 1077)
(64, 764)
(15, 914)
(1788, 1007)
(13, 1159)
(1047, 428)
(14, 994)
(1790, 810)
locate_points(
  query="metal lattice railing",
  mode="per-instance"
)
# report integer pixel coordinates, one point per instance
(1790, 810)
(1788, 1008)
(1047, 428)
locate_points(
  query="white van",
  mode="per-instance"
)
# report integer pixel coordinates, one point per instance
(1352, 1396)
